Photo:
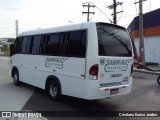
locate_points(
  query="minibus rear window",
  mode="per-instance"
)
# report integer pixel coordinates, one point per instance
(113, 41)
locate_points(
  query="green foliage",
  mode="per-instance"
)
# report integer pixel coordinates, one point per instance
(6, 50)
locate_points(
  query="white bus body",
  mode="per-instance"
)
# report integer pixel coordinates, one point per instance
(76, 58)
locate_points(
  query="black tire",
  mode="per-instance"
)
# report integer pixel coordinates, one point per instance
(16, 78)
(158, 80)
(54, 90)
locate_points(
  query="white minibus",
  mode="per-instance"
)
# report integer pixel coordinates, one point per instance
(90, 60)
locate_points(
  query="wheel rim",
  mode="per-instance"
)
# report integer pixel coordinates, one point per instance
(15, 78)
(53, 90)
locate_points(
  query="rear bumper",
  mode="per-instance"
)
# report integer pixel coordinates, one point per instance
(104, 92)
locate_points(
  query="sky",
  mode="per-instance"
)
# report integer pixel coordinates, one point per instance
(39, 14)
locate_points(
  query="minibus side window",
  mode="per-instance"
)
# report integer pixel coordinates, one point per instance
(24, 45)
(29, 43)
(53, 44)
(42, 44)
(36, 45)
(16, 47)
(76, 44)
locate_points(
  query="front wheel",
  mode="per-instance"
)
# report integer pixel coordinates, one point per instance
(16, 78)
(54, 90)
(158, 80)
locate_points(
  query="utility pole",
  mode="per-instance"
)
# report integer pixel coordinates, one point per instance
(16, 24)
(141, 36)
(87, 4)
(114, 7)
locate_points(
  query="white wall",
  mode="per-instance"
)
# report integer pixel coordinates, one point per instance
(152, 48)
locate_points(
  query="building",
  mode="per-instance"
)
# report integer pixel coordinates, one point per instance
(6, 41)
(151, 24)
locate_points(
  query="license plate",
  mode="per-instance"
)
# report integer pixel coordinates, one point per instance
(114, 91)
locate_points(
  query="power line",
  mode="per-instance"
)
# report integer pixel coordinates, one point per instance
(129, 15)
(98, 2)
(101, 12)
(97, 14)
(121, 14)
(136, 7)
(125, 25)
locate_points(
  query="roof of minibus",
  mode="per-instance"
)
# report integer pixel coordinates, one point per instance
(71, 27)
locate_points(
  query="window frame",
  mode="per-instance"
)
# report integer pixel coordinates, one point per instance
(14, 45)
(39, 47)
(22, 45)
(59, 49)
(62, 43)
(66, 43)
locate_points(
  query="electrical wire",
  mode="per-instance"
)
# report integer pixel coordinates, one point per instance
(100, 10)
(129, 15)
(121, 15)
(98, 2)
(97, 14)
(135, 7)
(125, 25)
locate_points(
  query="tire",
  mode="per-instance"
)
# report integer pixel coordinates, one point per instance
(54, 90)
(16, 78)
(158, 80)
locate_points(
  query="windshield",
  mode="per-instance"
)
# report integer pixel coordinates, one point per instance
(113, 41)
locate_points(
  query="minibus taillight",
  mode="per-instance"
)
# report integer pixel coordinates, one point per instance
(93, 72)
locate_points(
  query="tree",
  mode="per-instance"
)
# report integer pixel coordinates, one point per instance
(6, 50)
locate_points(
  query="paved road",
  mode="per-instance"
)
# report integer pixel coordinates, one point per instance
(11, 97)
(145, 96)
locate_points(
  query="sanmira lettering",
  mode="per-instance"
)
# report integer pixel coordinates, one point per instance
(55, 62)
(113, 65)
(117, 62)
(58, 60)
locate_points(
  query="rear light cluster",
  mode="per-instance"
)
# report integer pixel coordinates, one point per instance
(93, 72)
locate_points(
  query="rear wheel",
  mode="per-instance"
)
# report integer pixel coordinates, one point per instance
(158, 80)
(54, 90)
(16, 78)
